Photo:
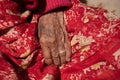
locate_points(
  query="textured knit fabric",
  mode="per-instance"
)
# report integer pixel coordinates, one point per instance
(94, 36)
(54, 4)
(46, 5)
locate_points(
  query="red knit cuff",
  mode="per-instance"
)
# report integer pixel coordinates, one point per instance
(30, 4)
(50, 5)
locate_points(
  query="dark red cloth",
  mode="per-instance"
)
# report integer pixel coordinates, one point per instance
(93, 33)
(46, 5)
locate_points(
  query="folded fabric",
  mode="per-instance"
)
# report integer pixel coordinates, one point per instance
(95, 42)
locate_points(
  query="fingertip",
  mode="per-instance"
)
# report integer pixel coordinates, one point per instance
(68, 59)
(48, 61)
(57, 63)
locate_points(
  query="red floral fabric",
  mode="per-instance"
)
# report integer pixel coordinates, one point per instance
(94, 36)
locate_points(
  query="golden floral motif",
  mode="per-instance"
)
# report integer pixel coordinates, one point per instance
(83, 41)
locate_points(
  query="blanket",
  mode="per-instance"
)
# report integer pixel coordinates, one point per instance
(95, 41)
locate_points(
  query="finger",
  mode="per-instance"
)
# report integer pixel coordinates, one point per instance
(68, 50)
(62, 53)
(55, 55)
(61, 47)
(46, 52)
(47, 55)
(66, 41)
(67, 44)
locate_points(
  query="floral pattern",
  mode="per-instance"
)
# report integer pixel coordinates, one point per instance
(94, 36)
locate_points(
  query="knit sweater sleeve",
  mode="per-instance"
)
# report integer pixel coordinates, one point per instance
(46, 5)
(54, 4)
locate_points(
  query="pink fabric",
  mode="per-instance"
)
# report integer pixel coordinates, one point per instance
(46, 5)
(94, 37)
(55, 4)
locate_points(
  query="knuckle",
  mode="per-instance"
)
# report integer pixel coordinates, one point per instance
(48, 61)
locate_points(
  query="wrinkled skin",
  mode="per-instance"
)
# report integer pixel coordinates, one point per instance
(53, 38)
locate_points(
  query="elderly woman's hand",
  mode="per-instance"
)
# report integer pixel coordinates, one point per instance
(53, 38)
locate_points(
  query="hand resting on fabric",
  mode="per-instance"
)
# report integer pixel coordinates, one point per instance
(53, 38)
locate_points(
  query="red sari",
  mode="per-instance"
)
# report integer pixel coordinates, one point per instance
(95, 42)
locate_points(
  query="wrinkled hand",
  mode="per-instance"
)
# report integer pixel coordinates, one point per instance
(53, 38)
